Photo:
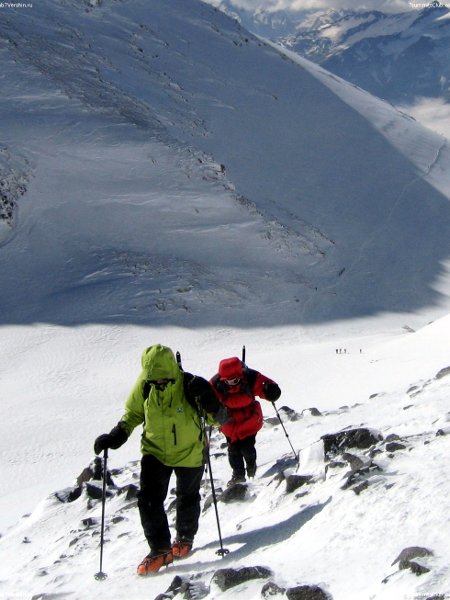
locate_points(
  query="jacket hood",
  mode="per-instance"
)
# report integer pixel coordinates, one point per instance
(229, 368)
(159, 362)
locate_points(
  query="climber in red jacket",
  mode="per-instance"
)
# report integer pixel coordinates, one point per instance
(236, 387)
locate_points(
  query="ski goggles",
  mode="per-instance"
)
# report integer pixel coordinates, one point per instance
(160, 384)
(232, 382)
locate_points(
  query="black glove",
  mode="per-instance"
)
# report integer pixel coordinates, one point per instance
(272, 391)
(202, 391)
(198, 386)
(222, 416)
(114, 439)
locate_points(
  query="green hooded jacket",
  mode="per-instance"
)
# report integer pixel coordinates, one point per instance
(172, 426)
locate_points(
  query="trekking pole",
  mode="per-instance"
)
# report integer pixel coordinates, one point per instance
(101, 575)
(222, 551)
(278, 415)
(286, 433)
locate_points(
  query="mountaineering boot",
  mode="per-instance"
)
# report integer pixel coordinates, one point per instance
(251, 469)
(181, 547)
(236, 478)
(154, 561)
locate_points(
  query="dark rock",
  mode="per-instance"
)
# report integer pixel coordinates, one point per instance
(196, 590)
(293, 482)
(86, 475)
(418, 569)
(280, 466)
(355, 476)
(394, 446)
(361, 487)
(374, 451)
(228, 578)
(361, 438)
(290, 413)
(443, 431)
(335, 464)
(219, 454)
(130, 491)
(209, 500)
(89, 522)
(117, 519)
(307, 592)
(286, 414)
(95, 492)
(271, 589)
(412, 389)
(69, 494)
(408, 554)
(314, 412)
(354, 461)
(97, 468)
(176, 584)
(94, 472)
(443, 373)
(234, 493)
(406, 560)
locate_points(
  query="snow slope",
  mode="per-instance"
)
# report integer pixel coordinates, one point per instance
(168, 177)
(189, 78)
(324, 533)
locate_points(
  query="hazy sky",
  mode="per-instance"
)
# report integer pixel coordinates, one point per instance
(384, 5)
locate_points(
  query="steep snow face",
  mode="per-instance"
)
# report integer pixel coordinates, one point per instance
(147, 122)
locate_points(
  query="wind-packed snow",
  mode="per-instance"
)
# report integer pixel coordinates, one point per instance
(168, 177)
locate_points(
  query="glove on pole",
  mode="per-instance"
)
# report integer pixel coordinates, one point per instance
(278, 415)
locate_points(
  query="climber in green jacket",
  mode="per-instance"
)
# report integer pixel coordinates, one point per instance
(171, 405)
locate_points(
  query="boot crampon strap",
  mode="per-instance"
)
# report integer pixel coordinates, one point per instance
(154, 561)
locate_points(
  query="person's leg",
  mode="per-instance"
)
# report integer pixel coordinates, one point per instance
(189, 480)
(248, 451)
(154, 485)
(236, 460)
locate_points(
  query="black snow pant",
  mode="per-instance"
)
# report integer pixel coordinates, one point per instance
(154, 485)
(242, 453)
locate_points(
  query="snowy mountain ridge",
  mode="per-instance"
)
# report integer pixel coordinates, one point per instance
(155, 85)
(400, 56)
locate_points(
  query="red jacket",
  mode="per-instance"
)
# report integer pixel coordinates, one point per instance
(245, 410)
